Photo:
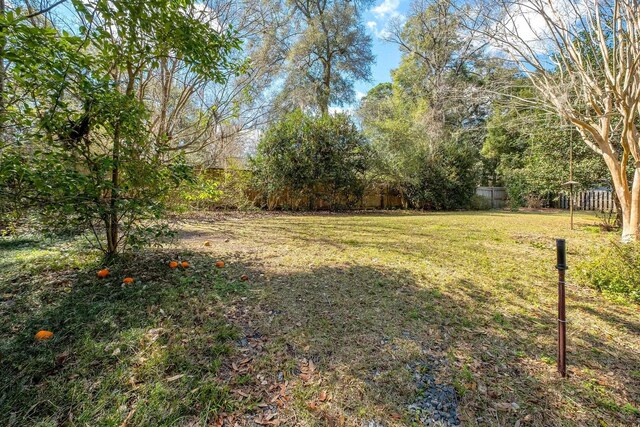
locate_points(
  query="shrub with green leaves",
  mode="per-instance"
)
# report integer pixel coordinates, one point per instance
(479, 203)
(202, 192)
(615, 271)
(77, 143)
(303, 160)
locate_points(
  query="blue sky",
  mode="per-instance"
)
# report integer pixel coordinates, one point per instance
(387, 54)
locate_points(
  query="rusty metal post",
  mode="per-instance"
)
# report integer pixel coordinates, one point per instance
(561, 252)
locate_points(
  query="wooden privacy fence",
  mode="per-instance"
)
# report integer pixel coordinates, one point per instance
(589, 200)
(496, 195)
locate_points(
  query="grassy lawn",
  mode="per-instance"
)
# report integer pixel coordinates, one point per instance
(339, 316)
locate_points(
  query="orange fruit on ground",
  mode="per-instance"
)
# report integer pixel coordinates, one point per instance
(219, 264)
(244, 277)
(103, 273)
(173, 264)
(185, 264)
(128, 280)
(43, 335)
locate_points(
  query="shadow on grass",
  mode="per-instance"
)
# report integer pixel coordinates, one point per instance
(365, 328)
(147, 352)
(15, 243)
(151, 352)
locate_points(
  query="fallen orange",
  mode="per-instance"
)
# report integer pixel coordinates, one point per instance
(219, 264)
(173, 264)
(185, 264)
(103, 273)
(128, 280)
(43, 335)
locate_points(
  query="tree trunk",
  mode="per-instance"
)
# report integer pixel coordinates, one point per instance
(112, 229)
(629, 205)
(630, 233)
(325, 90)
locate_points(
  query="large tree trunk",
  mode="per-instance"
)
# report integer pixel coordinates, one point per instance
(629, 199)
(325, 90)
(630, 232)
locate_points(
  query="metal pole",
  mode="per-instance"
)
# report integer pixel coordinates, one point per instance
(571, 177)
(561, 252)
(571, 204)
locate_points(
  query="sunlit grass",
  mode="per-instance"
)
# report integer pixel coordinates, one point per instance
(365, 297)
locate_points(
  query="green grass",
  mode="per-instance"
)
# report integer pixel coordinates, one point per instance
(152, 350)
(362, 296)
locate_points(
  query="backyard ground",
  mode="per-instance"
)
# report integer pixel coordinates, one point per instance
(378, 319)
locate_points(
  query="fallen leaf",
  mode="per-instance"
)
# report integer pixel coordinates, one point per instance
(267, 420)
(241, 393)
(126, 420)
(503, 406)
(323, 396)
(175, 377)
(305, 377)
(62, 357)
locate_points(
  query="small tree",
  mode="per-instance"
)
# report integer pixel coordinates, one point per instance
(311, 158)
(89, 157)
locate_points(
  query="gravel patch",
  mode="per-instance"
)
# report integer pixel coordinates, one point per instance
(436, 404)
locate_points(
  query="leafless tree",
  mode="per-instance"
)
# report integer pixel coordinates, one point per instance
(583, 58)
(190, 113)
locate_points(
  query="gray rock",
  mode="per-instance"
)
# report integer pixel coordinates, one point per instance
(435, 404)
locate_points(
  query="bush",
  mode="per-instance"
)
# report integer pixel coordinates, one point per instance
(615, 271)
(235, 189)
(203, 192)
(308, 161)
(479, 203)
(516, 187)
(441, 177)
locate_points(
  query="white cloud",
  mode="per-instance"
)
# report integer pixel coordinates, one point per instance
(388, 8)
(526, 27)
(382, 14)
(378, 32)
(360, 95)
